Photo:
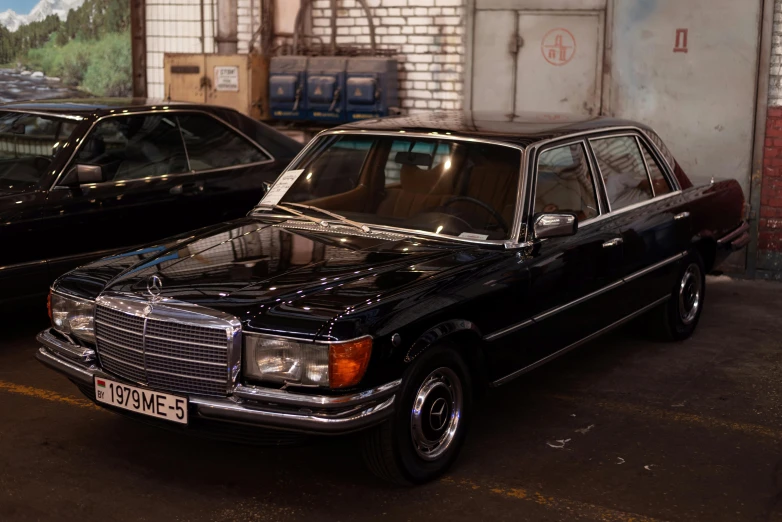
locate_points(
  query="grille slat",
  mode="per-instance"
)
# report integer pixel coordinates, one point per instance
(169, 355)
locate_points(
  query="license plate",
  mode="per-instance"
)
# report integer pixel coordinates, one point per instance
(146, 402)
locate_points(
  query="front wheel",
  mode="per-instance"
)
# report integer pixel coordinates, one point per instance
(679, 316)
(428, 428)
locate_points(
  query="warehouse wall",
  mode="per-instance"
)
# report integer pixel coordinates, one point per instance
(770, 223)
(428, 35)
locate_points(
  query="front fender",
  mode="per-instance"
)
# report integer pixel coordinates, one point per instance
(438, 333)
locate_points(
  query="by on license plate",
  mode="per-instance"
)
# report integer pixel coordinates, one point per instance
(146, 402)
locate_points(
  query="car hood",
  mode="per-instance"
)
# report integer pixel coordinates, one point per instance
(274, 278)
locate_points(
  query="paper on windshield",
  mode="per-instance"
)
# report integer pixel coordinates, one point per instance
(280, 187)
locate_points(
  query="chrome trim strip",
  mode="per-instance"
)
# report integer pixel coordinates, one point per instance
(257, 393)
(162, 111)
(505, 331)
(23, 265)
(571, 304)
(629, 208)
(553, 311)
(73, 371)
(300, 339)
(646, 165)
(576, 344)
(513, 240)
(654, 267)
(114, 327)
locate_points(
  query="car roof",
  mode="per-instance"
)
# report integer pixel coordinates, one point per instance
(83, 106)
(521, 129)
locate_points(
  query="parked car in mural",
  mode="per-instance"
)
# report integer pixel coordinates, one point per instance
(80, 179)
(393, 272)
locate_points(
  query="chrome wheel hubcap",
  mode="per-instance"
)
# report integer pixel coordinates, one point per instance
(437, 409)
(690, 294)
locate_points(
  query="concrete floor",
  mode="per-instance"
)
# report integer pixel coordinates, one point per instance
(622, 429)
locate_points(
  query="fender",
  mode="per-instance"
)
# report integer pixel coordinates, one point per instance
(438, 333)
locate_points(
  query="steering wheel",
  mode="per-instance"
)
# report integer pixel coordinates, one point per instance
(496, 215)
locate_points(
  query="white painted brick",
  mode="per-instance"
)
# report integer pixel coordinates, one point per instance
(394, 11)
(421, 29)
(422, 94)
(394, 20)
(408, 29)
(420, 20)
(320, 22)
(420, 104)
(393, 39)
(425, 76)
(421, 58)
(447, 20)
(341, 22)
(421, 39)
(395, 29)
(395, 3)
(453, 3)
(433, 104)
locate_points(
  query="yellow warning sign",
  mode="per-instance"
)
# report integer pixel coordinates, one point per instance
(318, 90)
(280, 91)
(358, 92)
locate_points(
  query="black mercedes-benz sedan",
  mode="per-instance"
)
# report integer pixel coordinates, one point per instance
(393, 272)
(82, 178)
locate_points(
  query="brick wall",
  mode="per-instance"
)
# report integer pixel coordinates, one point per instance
(429, 38)
(770, 221)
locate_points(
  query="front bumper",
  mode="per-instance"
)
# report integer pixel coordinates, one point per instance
(248, 405)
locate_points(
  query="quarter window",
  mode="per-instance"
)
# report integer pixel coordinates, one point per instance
(659, 183)
(135, 147)
(623, 170)
(212, 145)
(565, 183)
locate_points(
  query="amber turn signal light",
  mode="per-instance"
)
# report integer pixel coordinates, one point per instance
(348, 362)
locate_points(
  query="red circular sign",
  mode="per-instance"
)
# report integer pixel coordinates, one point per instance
(558, 46)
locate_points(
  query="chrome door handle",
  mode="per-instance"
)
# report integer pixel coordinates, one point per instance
(683, 215)
(613, 242)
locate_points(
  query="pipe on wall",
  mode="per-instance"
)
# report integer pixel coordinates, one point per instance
(227, 27)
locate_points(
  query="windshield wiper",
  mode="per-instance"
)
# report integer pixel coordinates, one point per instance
(341, 219)
(320, 222)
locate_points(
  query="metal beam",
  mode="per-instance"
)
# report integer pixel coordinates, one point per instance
(761, 115)
(138, 43)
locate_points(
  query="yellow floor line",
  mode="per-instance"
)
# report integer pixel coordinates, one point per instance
(564, 508)
(674, 416)
(46, 395)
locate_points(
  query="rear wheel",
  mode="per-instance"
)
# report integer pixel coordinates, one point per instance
(679, 317)
(428, 428)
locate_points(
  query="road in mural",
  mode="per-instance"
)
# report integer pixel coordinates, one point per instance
(66, 48)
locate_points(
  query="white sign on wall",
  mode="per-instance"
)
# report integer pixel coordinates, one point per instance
(227, 78)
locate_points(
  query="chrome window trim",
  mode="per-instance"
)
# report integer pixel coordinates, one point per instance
(592, 173)
(670, 177)
(514, 236)
(646, 166)
(561, 308)
(60, 115)
(68, 164)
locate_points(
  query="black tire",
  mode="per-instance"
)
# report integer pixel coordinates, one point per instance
(389, 451)
(679, 316)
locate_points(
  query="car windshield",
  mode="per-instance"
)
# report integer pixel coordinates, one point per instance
(28, 142)
(464, 189)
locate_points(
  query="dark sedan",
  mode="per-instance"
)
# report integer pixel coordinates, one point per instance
(82, 178)
(392, 273)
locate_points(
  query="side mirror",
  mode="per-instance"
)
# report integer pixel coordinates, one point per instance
(81, 174)
(558, 224)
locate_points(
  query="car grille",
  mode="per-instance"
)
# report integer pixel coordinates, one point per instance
(163, 354)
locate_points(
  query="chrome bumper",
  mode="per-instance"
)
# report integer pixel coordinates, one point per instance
(249, 405)
(736, 239)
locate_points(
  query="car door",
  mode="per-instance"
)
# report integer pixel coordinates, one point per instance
(144, 166)
(573, 280)
(649, 215)
(228, 169)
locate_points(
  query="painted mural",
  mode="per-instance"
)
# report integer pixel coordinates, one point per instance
(66, 48)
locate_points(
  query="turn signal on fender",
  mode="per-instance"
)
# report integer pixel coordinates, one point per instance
(348, 362)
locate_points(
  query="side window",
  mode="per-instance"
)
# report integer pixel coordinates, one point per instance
(623, 170)
(213, 145)
(659, 183)
(564, 182)
(135, 147)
